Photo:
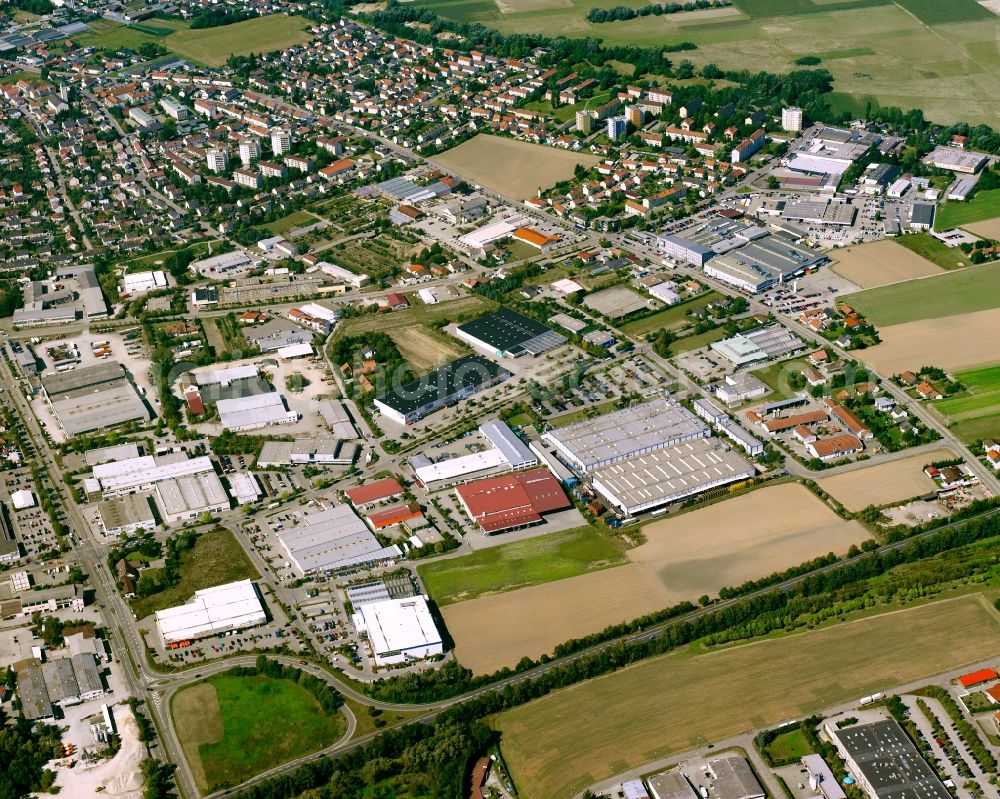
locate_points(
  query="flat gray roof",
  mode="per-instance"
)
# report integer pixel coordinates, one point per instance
(332, 540)
(671, 785)
(93, 409)
(34, 696)
(734, 779)
(84, 377)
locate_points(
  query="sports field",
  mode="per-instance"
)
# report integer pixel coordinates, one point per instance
(949, 294)
(515, 169)
(424, 348)
(880, 263)
(985, 205)
(234, 727)
(212, 46)
(975, 413)
(679, 561)
(519, 564)
(937, 55)
(560, 744)
(883, 483)
(966, 341)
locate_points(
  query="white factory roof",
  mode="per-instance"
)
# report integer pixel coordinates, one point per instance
(138, 282)
(119, 452)
(134, 472)
(333, 539)
(399, 625)
(427, 296)
(258, 410)
(319, 311)
(213, 610)
(226, 375)
(513, 449)
(452, 468)
(337, 419)
(295, 350)
(487, 235)
(23, 499)
(244, 486)
(193, 493)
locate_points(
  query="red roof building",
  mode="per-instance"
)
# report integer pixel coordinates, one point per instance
(393, 515)
(370, 493)
(977, 677)
(512, 500)
(194, 401)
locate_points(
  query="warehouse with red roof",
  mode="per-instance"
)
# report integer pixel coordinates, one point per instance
(374, 492)
(977, 677)
(512, 500)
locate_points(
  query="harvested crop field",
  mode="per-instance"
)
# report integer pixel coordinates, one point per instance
(880, 263)
(212, 46)
(883, 483)
(197, 720)
(988, 228)
(512, 168)
(952, 343)
(422, 348)
(559, 744)
(678, 562)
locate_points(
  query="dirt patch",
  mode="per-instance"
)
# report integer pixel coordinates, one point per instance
(498, 630)
(515, 169)
(950, 342)
(422, 348)
(988, 228)
(880, 263)
(884, 483)
(558, 745)
(197, 720)
(751, 536)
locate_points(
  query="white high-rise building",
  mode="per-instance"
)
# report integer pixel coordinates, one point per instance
(281, 141)
(217, 159)
(249, 150)
(791, 119)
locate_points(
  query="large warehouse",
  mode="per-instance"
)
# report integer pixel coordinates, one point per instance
(333, 540)
(142, 473)
(513, 500)
(773, 341)
(233, 606)
(327, 451)
(507, 452)
(252, 413)
(94, 398)
(454, 381)
(508, 334)
(190, 496)
(623, 434)
(399, 630)
(669, 474)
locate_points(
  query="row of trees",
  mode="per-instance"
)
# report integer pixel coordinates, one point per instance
(598, 15)
(216, 17)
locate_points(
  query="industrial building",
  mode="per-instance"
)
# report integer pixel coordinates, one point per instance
(64, 682)
(515, 500)
(252, 413)
(447, 385)
(671, 785)
(373, 493)
(220, 267)
(507, 452)
(244, 487)
(93, 398)
(881, 757)
(337, 419)
(734, 779)
(684, 250)
(226, 376)
(333, 540)
(764, 263)
(399, 630)
(624, 434)
(508, 334)
(190, 496)
(324, 451)
(142, 473)
(10, 550)
(669, 474)
(140, 282)
(126, 515)
(724, 423)
(233, 606)
(760, 344)
(955, 160)
(58, 299)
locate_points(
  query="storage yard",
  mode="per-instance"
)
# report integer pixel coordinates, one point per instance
(885, 483)
(880, 263)
(558, 745)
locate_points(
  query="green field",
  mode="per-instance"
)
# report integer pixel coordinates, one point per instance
(935, 251)
(937, 55)
(789, 747)
(555, 556)
(672, 318)
(216, 558)
(285, 225)
(696, 341)
(212, 46)
(773, 376)
(108, 35)
(964, 291)
(974, 414)
(985, 205)
(233, 727)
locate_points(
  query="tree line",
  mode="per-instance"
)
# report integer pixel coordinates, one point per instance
(617, 13)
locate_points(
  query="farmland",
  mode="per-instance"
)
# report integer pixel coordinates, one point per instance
(677, 562)
(988, 228)
(212, 46)
(975, 414)
(951, 294)
(985, 205)
(463, 308)
(933, 341)
(880, 263)
(558, 745)
(522, 563)
(216, 558)
(935, 251)
(515, 169)
(233, 727)
(885, 483)
(426, 349)
(929, 54)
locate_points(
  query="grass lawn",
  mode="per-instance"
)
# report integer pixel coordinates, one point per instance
(240, 726)
(937, 252)
(216, 558)
(689, 343)
(978, 702)
(520, 564)
(978, 428)
(108, 35)
(964, 291)
(672, 318)
(789, 747)
(773, 376)
(985, 205)
(285, 225)
(212, 46)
